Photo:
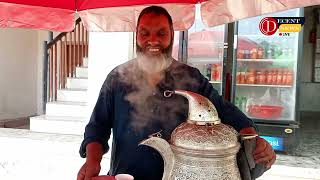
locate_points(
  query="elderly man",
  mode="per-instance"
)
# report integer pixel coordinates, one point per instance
(131, 103)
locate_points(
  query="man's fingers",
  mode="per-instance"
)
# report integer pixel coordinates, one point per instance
(80, 176)
(267, 151)
(260, 146)
(268, 157)
(272, 161)
(92, 171)
(81, 173)
(264, 153)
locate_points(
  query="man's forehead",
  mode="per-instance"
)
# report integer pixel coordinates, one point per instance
(151, 19)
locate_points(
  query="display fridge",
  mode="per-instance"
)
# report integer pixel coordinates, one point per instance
(266, 75)
(205, 50)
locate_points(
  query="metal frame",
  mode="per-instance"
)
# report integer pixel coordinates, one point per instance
(299, 64)
(234, 63)
(225, 60)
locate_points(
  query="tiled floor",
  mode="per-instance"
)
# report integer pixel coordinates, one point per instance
(307, 153)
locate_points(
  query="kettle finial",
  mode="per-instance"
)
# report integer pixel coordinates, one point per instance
(201, 110)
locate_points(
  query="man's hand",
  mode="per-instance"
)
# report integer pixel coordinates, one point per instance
(264, 153)
(91, 167)
(89, 170)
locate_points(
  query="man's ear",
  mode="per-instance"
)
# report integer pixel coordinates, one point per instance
(172, 34)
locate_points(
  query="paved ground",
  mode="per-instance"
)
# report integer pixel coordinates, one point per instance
(304, 162)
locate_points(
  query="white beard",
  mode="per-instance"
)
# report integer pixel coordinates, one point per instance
(153, 65)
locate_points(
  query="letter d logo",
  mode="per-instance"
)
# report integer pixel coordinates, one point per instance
(268, 26)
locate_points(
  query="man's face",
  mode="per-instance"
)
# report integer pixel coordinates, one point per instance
(154, 35)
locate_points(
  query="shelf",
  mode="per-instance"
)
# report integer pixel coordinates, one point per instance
(266, 85)
(276, 35)
(215, 82)
(204, 60)
(264, 60)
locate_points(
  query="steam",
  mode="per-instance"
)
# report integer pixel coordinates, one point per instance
(147, 101)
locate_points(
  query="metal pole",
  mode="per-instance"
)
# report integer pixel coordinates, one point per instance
(225, 61)
(45, 75)
(185, 47)
(50, 36)
(234, 64)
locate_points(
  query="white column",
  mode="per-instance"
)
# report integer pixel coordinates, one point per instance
(106, 51)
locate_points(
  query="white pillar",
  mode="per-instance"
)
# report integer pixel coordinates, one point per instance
(106, 51)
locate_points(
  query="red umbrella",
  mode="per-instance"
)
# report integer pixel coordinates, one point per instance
(121, 15)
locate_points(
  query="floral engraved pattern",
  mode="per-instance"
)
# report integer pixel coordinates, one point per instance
(207, 137)
(184, 172)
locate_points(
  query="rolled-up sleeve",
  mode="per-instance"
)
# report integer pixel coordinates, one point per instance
(99, 127)
(227, 112)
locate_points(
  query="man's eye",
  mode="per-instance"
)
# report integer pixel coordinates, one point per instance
(143, 33)
(162, 33)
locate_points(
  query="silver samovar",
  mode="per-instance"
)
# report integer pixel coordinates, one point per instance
(202, 148)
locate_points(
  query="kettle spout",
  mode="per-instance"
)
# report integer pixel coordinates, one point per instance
(163, 147)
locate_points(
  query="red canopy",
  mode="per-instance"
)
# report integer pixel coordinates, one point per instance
(121, 15)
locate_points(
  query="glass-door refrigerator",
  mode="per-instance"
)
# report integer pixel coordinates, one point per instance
(265, 79)
(205, 51)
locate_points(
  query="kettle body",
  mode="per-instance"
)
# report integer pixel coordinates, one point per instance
(202, 148)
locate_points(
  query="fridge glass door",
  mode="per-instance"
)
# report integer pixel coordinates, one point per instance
(175, 46)
(266, 70)
(205, 50)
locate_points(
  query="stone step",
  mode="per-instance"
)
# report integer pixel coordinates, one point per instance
(85, 62)
(58, 124)
(66, 108)
(14, 123)
(77, 83)
(75, 95)
(81, 72)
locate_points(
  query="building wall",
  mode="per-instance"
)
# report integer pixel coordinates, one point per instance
(19, 73)
(309, 95)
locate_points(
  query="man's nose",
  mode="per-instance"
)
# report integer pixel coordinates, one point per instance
(153, 41)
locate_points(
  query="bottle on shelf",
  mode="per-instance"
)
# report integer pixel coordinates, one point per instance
(270, 52)
(244, 104)
(254, 53)
(238, 77)
(274, 76)
(260, 53)
(269, 76)
(246, 54)
(260, 76)
(251, 76)
(241, 103)
(265, 46)
(279, 77)
(216, 72)
(243, 76)
(284, 76)
(240, 54)
(289, 77)
(237, 102)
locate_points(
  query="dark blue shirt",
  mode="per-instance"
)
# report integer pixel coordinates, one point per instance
(133, 111)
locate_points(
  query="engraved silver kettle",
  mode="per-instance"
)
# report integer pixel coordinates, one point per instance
(202, 148)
